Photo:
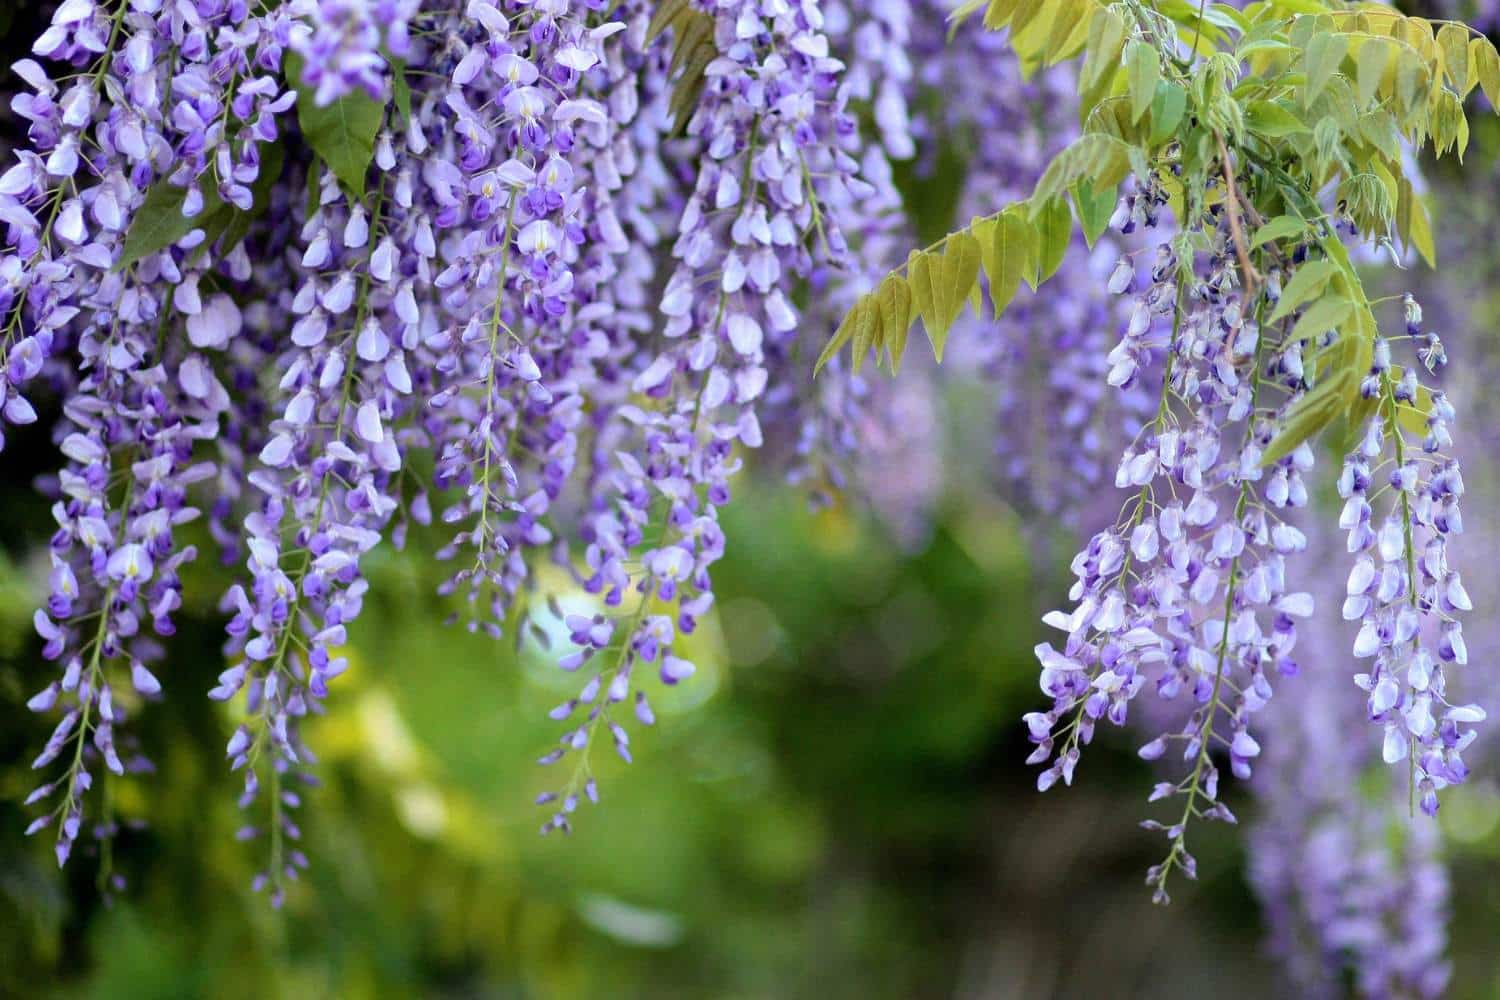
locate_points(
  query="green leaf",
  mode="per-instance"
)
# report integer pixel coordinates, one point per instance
(839, 339)
(1280, 228)
(400, 87)
(692, 50)
(1487, 66)
(1421, 232)
(893, 301)
(962, 13)
(159, 222)
(1256, 46)
(1095, 156)
(689, 86)
(1067, 19)
(865, 318)
(1167, 109)
(1106, 41)
(1309, 280)
(1355, 419)
(1007, 246)
(1325, 314)
(1411, 81)
(999, 13)
(1143, 67)
(1094, 206)
(1307, 417)
(1273, 120)
(662, 17)
(237, 225)
(343, 133)
(1055, 227)
(1321, 60)
(1374, 56)
(940, 283)
(1453, 42)
(1380, 131)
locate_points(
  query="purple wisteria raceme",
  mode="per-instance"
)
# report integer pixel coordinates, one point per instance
(1351, 886)
(324, 478)
(139, 340)
(513, 365)
(1401, 588)
(771, 133)
(1187, 591)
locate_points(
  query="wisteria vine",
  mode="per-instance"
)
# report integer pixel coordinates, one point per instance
(545, 274)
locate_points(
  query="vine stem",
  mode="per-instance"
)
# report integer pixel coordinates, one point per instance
(496, 323)
(1232, 206)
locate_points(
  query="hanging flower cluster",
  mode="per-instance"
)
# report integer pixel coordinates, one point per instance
(543, 274)
(1351, 890)
(273, 253)
(1250, 327)
(1187, 592)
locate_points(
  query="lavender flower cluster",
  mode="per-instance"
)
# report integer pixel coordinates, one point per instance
(548, 313)
(1191, 591)
(248, 320)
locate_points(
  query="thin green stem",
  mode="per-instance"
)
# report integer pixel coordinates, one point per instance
(482, 529)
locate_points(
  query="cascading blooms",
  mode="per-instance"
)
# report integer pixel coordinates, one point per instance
(1245, 136)
(287, 249)
(328, 268)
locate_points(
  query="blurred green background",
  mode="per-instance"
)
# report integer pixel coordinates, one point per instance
(834, 806)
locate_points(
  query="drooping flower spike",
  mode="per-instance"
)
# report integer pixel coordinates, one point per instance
(1252, 326)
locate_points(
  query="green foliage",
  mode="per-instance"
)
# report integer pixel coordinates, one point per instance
(342, 133)
(692, 50)
(1296, 97)
(159, 222)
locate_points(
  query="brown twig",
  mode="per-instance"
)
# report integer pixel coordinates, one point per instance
(1232, 205)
